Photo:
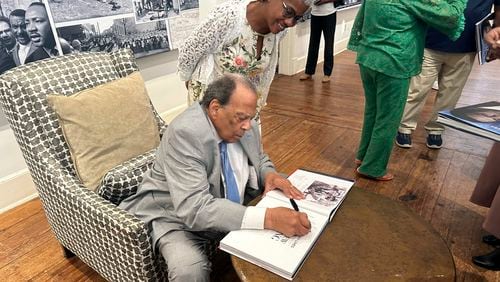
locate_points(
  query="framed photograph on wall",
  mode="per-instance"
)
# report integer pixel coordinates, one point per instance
(109, 34)
(74, 10)
(186, 5)
(29, 36)
(153, 10)
(29, 33)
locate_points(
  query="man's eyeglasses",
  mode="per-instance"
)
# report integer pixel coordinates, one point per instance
(289, 13)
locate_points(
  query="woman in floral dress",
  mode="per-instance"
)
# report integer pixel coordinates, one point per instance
(239, 36)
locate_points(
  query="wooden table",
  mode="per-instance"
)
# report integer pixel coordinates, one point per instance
(371, 238)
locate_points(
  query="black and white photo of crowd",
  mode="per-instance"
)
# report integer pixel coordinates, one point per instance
(111, 34)
(189, 4)
(73, 10)
(152, 10)
(26, 33)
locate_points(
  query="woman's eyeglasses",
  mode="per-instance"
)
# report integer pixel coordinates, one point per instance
(289, 13)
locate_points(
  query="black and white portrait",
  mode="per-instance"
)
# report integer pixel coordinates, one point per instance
(323, 193)
(26, 33)
(73, 10)
(111, 34)
(152, 10)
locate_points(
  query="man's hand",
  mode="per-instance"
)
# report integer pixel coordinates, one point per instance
(276, 181)
(493, 38)
(287, 221)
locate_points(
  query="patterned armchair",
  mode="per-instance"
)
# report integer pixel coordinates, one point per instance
(88, 224)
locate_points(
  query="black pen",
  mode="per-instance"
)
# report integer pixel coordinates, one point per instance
(294, 204)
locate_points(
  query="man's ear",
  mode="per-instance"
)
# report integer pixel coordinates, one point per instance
(213, 107)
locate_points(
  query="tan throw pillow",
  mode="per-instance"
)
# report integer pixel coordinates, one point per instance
(106, 125)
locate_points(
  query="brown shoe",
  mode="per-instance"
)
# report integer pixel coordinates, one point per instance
(305, 76)
(325, 79)
(386, 177)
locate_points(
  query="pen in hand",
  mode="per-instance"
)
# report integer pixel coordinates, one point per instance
(294, 204)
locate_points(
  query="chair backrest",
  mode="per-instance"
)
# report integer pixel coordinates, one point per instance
(24, 90)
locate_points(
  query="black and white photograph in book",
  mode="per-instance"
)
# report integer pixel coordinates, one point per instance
(480, 119)
(72, 10)
(323, 193)
(111, 34)
(189, 4)
(152, 10)
(26, 33)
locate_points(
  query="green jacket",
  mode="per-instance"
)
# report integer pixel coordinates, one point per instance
(389, 35)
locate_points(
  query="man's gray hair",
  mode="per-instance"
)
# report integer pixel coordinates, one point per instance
(222, 88)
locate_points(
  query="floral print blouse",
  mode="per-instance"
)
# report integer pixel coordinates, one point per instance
(225, 42)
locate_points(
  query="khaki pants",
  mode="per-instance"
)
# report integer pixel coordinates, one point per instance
(451, 70)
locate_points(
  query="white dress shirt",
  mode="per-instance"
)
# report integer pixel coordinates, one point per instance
(254, 216)
(23, 52)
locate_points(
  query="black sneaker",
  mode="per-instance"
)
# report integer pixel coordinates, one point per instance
(434, 141)
(403, 140)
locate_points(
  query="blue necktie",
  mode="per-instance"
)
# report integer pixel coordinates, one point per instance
(231, 187)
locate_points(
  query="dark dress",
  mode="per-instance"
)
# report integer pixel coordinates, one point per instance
(487, 194)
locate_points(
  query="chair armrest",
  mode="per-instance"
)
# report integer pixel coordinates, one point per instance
(111, 241)
(122, 181)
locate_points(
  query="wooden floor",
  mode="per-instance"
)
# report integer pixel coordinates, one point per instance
(317, 126)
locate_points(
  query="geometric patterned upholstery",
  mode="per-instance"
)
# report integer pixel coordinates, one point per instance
(122, 181)
(114, 243)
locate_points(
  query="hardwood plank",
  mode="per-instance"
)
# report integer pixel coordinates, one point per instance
(17, 242)
(12, 217)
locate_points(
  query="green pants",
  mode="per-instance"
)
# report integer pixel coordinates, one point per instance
(385, 99)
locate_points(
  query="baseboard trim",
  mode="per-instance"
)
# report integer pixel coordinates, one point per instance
(18, 203)
(16, 189)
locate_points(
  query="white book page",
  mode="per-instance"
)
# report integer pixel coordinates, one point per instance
(323, 193)
(272, 248)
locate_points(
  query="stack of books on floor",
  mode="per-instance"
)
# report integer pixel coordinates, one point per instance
(480, 119)
(274, 251)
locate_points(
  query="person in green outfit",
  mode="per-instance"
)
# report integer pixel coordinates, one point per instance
(389, 38)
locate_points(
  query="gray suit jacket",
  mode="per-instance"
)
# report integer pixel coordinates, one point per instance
(183, 189)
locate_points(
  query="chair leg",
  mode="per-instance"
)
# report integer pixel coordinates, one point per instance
(67, 253)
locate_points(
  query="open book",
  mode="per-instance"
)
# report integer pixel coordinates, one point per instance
(272, 250)
(480, 119)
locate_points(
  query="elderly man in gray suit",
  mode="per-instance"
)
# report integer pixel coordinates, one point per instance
(208, 165)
